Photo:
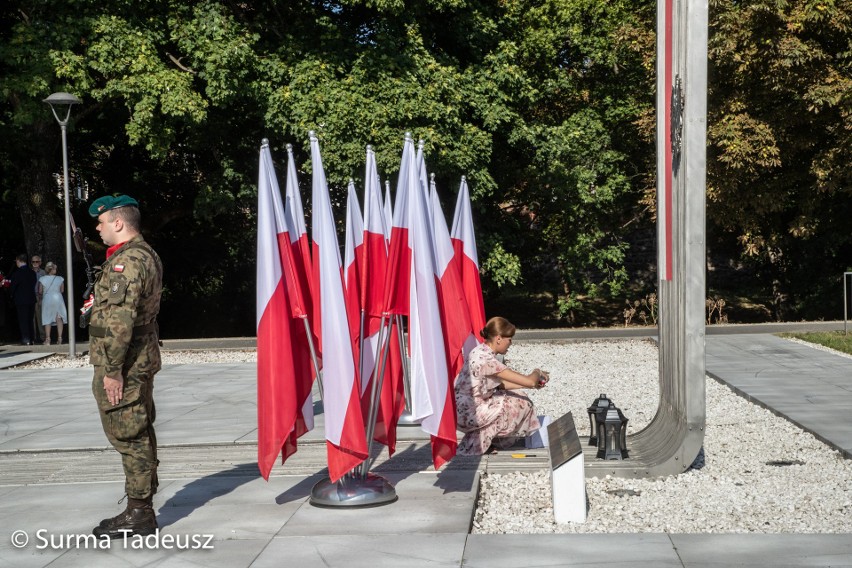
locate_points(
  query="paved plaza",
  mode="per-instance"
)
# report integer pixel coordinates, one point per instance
(59, 477)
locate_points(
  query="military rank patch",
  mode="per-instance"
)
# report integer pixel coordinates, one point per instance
(114, 287)
(118, 268)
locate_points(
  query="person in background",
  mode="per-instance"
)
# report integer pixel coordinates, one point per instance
(53, 312)
(490, 410)
(35, 262)
(5, 305)
(23, 291)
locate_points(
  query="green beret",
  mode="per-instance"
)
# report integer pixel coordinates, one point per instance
(107, 202)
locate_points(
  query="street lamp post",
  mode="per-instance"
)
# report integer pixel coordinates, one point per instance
(68, 100)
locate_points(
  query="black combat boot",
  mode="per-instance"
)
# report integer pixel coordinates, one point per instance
(106, 523)
(138, 519)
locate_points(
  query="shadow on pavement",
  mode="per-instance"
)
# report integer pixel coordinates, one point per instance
(201, 491)
(301, 490)
(416, 458)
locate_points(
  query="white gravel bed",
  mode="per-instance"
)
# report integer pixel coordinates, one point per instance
(169, 357)
(736, 490)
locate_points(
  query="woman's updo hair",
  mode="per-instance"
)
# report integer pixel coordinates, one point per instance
(50, 266)
(497, 326)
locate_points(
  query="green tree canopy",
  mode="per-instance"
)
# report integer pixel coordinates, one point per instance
(547, 107)
(780, 145)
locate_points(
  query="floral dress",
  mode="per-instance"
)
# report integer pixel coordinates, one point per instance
(485, 414)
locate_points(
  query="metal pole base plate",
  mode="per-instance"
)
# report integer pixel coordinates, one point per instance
(406, 419)
(353, 491)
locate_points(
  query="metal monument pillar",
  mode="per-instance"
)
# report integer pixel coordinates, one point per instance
(673, 439)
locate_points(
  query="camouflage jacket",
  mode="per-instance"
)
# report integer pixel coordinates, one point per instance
(127, 296)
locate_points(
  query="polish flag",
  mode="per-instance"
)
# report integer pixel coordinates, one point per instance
(464, 244)
(391, 397)
(459, 337)
(301, 304)
(298, 271)
(373, 268)
(353, 263)
(299, 242)
(375, 257)
(284, 405)
(344, 424)
(396, 288)
(430, 380)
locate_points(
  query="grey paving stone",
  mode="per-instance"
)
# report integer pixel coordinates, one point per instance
(409, 515)
(225, 554)
(796, 381)
(28, 557)
(227, 522)
(367, 551)
(231, 490)
(599, 550)
(769, 550)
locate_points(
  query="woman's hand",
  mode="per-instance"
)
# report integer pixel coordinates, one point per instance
(543, 378)
(512, 380)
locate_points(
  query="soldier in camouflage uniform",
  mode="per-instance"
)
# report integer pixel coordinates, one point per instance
(124, 349)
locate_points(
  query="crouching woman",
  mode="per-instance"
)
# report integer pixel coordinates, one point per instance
(490, 410)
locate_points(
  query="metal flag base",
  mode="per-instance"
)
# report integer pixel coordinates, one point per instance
(353, 491)
(406, 419)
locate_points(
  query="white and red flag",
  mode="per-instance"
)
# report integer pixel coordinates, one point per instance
(353, 264)
(376, 234)
(431, 397)
(459, 336)
(464, 244)
(344, 425)
(391, 399)
(396, 288)
(284, 405)
(297, 273)
(300, 245)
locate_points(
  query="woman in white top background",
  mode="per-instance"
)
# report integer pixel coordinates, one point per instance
(53, 312)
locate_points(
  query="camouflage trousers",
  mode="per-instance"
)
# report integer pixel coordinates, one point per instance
(129, 427)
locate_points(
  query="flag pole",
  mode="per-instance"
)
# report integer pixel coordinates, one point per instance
(361, 344)
(366, 489)
(381, 378)
(406, 419)
(378, 380)
(313, 354)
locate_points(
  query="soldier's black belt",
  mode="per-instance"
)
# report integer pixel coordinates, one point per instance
(95, 331)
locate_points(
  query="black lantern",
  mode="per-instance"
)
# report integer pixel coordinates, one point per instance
(599, 405)
(612, 438)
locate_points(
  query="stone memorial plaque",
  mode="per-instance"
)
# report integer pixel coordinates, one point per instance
(564, 441)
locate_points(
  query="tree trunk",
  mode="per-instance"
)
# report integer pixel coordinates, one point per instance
(39, 201)
(782, 303)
